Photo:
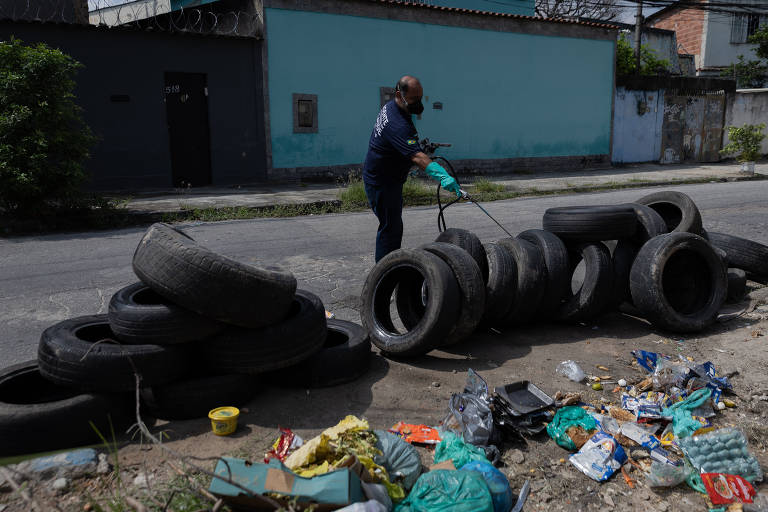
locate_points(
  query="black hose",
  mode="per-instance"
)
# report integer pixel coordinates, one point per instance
(440, 217)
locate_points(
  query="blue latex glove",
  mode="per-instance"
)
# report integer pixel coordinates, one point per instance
(436, 171)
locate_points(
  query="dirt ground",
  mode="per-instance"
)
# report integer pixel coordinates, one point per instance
(418, 390)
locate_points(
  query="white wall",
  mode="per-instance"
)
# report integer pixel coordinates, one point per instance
(118, 12)
(718, 51)
(749, 106)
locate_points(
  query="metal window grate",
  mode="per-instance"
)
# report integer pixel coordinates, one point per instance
(305, 113)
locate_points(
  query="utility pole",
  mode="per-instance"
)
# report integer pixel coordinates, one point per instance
(638, 34)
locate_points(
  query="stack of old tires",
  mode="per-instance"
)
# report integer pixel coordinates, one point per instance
(651, 258)
(197, 331)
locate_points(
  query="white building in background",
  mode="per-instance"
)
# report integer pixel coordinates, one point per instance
(119, 12)
(715, 39)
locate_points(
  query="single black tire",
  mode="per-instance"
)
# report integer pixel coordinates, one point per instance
(531, 280)
(591, 223)
(189, 275)
(471, 289)
(470, 243)
(677, 209)
(238, 350)
(623, 256)
(501, 288)
(751, 257)
(649, 223)
(37, 415)
(139, 315)
(595, 294)
(83, 353)
(345, 357)
(416, 273)
(558, 268)
(194, 398)
(678, 282)
(737, 285)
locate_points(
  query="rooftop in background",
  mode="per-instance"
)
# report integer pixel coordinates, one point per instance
(626, 26)
(464, 10)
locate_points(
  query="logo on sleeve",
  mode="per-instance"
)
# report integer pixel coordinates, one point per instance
(411, 142)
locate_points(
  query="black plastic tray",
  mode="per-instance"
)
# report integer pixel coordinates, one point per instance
(523, 398)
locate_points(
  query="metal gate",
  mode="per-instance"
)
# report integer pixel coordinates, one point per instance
(692, 128)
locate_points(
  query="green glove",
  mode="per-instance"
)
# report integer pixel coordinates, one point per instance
(436, 171)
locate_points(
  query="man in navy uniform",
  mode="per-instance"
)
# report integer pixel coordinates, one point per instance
(392, 151)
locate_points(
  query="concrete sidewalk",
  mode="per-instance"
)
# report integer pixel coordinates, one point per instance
(640, 175)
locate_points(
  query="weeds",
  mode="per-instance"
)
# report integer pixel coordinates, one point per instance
(353, 197)
(353, 194)
(484, 185)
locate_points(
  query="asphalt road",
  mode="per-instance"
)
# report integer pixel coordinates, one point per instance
(46, 279)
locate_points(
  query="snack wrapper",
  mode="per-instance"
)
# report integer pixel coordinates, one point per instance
(600, 457)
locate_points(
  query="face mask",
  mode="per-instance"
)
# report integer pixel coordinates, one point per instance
(413, 108)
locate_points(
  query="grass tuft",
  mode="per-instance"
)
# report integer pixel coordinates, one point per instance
(484, 185)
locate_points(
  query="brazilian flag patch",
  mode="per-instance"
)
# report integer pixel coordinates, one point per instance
(411, 142)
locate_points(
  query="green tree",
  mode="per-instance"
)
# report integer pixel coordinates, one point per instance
(751, 73)
(626, 64)
(748, 74)
(760, 38)
(43, 139)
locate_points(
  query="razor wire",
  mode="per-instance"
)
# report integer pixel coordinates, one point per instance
(154, 15)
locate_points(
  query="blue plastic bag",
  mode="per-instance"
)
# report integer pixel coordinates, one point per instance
(448, 491)
(501, 493)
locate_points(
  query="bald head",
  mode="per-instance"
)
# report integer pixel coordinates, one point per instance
(410, 91)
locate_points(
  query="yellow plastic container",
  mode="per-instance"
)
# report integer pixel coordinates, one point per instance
(224, 420)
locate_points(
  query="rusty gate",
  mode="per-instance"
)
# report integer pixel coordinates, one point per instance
(692, 127)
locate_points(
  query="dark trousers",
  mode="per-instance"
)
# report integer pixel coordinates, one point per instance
(386, 201)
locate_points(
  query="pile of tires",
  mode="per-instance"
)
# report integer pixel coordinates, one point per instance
(195, 333)
(652, 258)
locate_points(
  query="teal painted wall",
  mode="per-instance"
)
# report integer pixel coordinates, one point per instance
(504, 95)
(524, 7)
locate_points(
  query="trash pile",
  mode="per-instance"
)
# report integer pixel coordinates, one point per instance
(351, 468)
(660, 431)
(195, 331)
(651, 259)
(663, 426)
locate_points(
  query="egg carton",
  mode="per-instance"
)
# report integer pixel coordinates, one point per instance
(722, 451)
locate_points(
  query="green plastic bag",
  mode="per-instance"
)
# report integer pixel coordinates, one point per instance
(448, 491)
(566, 418)
(459, 451)
(683, 424)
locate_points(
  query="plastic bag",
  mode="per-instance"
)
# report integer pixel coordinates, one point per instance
(400, 459)
(365, 506)
(459, 451)
(471, 413)
(377, 492)
(476, 385)
(566, 418)
(683, 423)
(722, 451)
(448, 491)
(669, 373)
(667, 475)
(571, 370)
(501, 493)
